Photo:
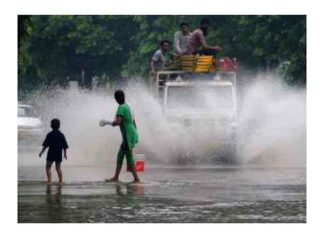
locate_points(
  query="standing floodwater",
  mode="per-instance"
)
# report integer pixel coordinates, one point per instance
(168, 194)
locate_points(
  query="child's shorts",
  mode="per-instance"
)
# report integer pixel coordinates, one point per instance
(49, 163)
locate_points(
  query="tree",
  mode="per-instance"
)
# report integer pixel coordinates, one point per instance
(68, 46)
(264, 42)
(53, 49)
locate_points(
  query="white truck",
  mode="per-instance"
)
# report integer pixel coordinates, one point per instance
(204, 107)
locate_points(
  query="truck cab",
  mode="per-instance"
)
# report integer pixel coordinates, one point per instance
(202, 105)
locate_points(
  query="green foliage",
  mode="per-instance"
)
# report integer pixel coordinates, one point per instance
(264, 42)
(53, 49)
(62, 46)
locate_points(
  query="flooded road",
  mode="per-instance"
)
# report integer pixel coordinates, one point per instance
(168, 194)
(269, 186)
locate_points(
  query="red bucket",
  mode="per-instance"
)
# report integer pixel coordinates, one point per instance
(139, 163)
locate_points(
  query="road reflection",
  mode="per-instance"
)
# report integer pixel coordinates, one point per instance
(53, 193)
(129, 189)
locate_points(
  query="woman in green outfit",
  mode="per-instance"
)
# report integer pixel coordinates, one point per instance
(126, 122)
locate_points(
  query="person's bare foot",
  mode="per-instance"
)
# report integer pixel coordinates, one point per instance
(111, 180)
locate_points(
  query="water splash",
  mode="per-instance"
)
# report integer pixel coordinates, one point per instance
(273, 120)
(271, 123)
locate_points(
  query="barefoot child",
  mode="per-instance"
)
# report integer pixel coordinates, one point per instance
(126, 122)
(56, 142)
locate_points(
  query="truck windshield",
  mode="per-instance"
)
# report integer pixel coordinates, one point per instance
(199, 97)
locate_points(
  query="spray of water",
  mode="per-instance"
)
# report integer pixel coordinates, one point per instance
(273, 119)
(271, 124)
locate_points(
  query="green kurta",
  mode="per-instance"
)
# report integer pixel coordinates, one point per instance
(128, 129)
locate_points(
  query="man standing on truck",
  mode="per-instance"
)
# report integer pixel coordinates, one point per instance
(159, 59)
(197, 41)
(181, 39)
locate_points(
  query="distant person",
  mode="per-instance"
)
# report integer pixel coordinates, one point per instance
(55, 142)
(197, 41)
(181, 39)
(159, 59)
(125, 120)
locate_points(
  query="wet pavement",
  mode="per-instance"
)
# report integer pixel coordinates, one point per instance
(168, 194)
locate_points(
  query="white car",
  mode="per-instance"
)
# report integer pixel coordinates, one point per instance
(30, 126)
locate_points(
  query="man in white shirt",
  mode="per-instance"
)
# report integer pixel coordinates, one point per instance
(181, 39)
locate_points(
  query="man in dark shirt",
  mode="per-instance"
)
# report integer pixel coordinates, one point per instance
(197, 41)
(56, 142)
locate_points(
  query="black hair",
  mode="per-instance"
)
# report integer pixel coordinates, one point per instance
(55, 123)
(164, 41)
(184, 23)
(205, 21)
(120, 96)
